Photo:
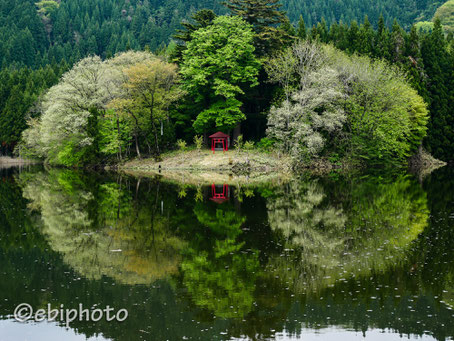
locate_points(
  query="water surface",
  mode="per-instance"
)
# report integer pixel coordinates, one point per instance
(326, 258)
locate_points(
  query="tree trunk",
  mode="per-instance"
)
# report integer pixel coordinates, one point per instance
(156, 137)
(155, 132)
(136, 129)
(236, 132)
(137, 146)
(119, 138)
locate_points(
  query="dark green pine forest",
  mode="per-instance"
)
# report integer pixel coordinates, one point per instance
(40, 41)
(35, 34)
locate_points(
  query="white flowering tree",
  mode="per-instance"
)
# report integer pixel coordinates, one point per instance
(302, 124)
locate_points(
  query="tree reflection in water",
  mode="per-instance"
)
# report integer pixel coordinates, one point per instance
(100, 230)
(329, 239)
(218, 272)
(356, 253)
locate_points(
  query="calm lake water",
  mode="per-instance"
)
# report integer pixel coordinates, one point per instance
(316, 258)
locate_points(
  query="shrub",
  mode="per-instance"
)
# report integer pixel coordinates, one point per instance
(198, 141)
(181, 145)
(248, 145)
(239, 143)
(266, 144)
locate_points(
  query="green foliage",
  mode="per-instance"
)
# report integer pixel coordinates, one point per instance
(426, 59)
(425, 26)
(70, 117)
(348, 105)
(38, 34)
(149, 90)
(181, 145)
(198, 141)
(38, 40)
(248, 145)
(201, 19)
(446, 15)
(438, 63)
(263, 15)
(387, 118)
(266, 144)
(19, 90)
(115, 134)
(222, 115)
(70, 154)
(301, 31)
(239, 143)
(217, 67)
(405, 11)
(79, 28)
(100, 108)
(47, 7)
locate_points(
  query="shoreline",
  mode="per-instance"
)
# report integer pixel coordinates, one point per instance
(194, 166)
(6, 161)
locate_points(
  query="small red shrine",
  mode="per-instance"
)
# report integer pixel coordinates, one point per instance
(220, 138)
(218, 196)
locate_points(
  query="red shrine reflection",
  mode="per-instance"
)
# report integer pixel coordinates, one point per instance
(220, 193)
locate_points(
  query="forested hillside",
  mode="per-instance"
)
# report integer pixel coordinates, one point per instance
(35, 34)
(405, 11)
(446, 14)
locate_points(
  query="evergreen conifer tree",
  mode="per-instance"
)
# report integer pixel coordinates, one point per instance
(263, 15)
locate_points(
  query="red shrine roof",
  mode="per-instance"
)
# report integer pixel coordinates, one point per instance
(219, 135)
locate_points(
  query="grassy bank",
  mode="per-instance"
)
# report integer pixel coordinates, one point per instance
(205, 160)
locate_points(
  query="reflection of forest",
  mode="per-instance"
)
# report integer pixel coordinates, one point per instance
(218, 272)
(356, 254)
(100, 230)
(329, 239)
(367, 253)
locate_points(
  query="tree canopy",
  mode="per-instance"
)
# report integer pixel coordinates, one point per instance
(346, 105)
(218, 65)
(77, 125)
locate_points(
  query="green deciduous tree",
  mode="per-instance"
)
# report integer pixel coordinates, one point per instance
(151, 89)
(218, 65)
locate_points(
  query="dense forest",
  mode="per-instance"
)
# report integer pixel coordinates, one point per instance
(37, 33)
(42, 41)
